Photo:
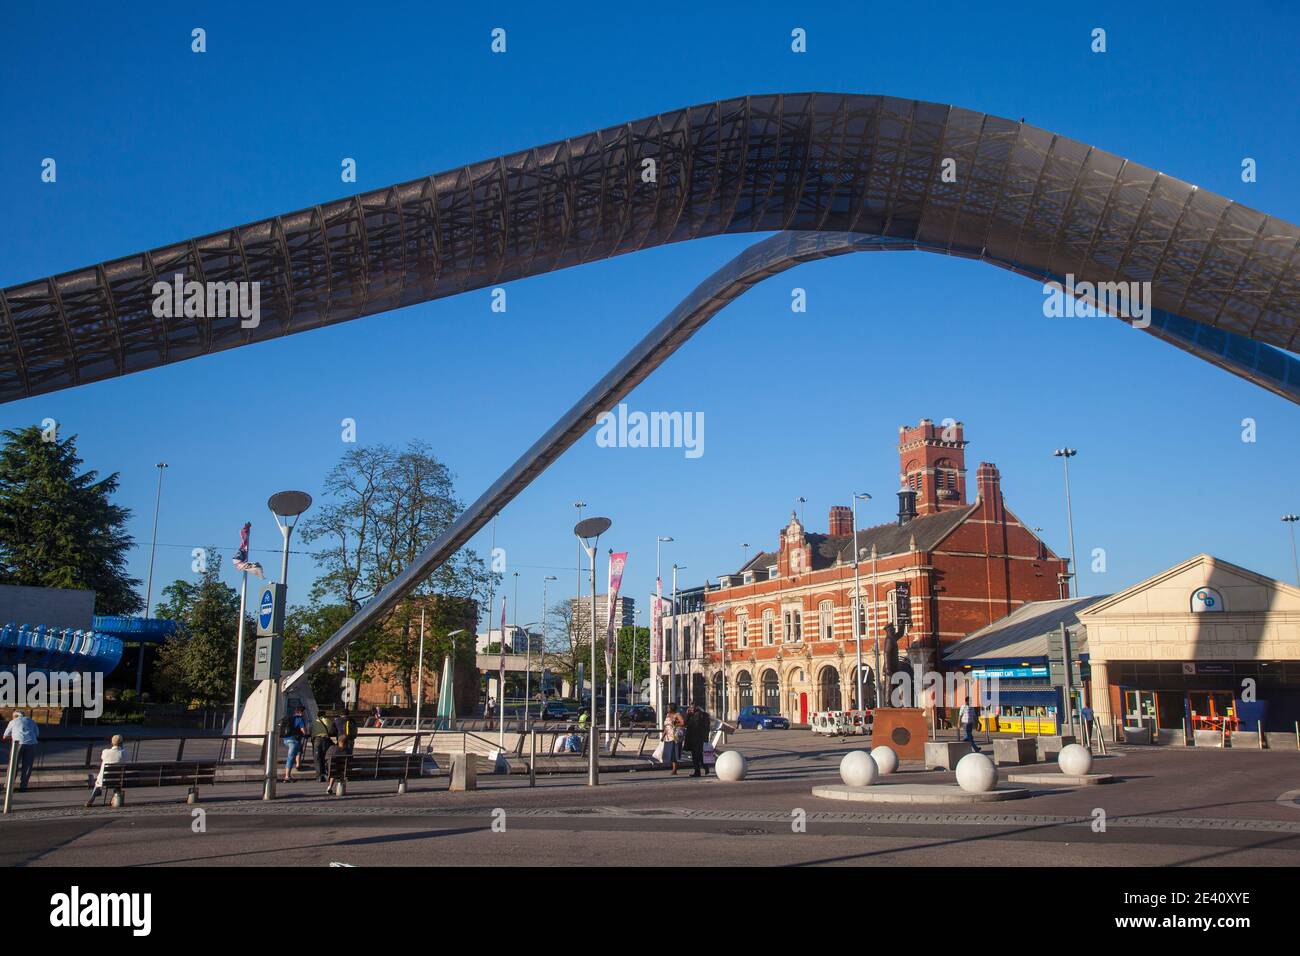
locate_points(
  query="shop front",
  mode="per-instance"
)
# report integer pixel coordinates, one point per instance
(1206, 645)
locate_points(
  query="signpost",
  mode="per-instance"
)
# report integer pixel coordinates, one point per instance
(1060, 667)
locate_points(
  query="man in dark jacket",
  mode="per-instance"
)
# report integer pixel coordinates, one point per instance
(322, 738)
(698, 723)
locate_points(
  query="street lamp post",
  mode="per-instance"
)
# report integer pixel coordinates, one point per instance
(148, 589)
(672, 657)
(287, 507)
(588, 533)
(528, 670)
(658, 612)
(875, 629)
(857, 598)
(1291, 520)
(419, 681)
(1065, 454)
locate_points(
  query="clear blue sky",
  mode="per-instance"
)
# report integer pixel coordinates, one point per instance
(155, 144)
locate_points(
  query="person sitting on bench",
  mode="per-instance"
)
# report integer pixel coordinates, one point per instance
(109, 755)
(570, 743)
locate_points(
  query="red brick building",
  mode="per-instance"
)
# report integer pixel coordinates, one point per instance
(785, 618)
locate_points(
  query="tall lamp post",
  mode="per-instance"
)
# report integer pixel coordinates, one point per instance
(672, 667)
(588, 533)
(1291, 520)
(657, 613)
(528, 674)
(1065, 454)
(148, 588)
(287, 507)
(857, 598)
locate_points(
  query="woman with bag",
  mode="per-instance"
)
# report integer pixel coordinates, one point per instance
(673, 733)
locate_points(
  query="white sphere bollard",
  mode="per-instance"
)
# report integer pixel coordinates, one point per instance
(1074, 760)
(857, 769)
(885, 757)
(731, 766)
(976, 773)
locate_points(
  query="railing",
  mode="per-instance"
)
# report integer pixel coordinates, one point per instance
(72, 754)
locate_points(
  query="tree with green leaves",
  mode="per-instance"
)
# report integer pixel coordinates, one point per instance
(197, 665)
(383, 507)
(305, 629)
(58, 525)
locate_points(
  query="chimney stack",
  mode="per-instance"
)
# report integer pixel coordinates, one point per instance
(906, 506)
(841, 521)
(989, 482)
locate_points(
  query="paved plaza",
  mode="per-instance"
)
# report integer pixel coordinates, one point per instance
(1168, 807)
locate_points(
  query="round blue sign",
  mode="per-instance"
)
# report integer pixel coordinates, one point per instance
(268, 609)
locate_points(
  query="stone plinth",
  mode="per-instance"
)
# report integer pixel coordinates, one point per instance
(1016, 750)
(944, 754)
(914, 793)
(1049, 747)
(1057, 779)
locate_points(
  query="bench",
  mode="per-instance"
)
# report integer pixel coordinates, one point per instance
(120, 777)
(373, 765)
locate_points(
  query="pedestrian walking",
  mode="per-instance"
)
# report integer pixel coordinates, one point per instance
(333, 750)
(966, 721)
(345, 731)
(24, 732)
(293, 731)
(112, 754)
(698, 723)
(322, 737)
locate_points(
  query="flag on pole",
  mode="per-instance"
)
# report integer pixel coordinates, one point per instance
(617, 561)
(241, 556)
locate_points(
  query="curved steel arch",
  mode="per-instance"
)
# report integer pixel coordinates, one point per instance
(1023, 198)
(761, 261)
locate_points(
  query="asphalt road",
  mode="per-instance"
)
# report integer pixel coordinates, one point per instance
(1178, 808)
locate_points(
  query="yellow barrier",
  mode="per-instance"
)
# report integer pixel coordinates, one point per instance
(1045, 726)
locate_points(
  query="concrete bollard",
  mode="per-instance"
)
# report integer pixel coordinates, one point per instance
(464, 772)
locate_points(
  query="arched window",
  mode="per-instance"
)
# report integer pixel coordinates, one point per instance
(744, 690)
(829, 689)
(742, 629)
(771, 691)
(769, 627)
(719, 632)
(826, 620)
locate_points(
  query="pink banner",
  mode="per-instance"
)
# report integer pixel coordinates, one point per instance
(617, 561)
(655, 648)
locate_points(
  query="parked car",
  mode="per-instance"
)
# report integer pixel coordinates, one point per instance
(552, 710)
(761, 718)
(567, 707)
(636, 715)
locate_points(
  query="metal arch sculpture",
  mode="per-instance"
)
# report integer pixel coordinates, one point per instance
(760, 261)
(1223, 277)
(1025, 199)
